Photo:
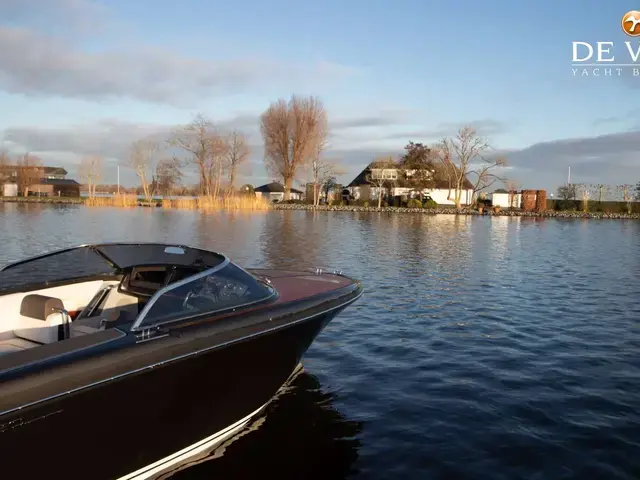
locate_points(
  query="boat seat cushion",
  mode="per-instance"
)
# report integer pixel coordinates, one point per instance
(39, 306)
(39, 321)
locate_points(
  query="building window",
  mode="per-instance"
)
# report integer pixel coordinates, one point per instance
(384, 174)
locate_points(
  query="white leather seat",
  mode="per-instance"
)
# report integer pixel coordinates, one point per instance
(39, 320)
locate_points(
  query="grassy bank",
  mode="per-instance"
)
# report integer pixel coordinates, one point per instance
(131, 201)
(257, 204)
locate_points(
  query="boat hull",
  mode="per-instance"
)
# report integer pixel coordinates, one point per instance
(121, 426)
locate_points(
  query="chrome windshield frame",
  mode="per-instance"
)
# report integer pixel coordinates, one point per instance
(137, 325)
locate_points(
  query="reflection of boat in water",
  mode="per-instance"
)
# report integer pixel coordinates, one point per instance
(299, 435)
(122, 360)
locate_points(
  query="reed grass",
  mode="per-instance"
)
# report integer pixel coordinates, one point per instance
(214, 204)
(118, 200)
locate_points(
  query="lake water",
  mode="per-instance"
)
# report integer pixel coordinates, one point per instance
(483, 348)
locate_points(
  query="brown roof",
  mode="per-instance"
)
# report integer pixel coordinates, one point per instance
(46, 170)
(273, 187)
(441, 181)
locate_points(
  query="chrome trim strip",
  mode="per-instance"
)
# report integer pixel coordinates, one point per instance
(173, 286)
(180, 357)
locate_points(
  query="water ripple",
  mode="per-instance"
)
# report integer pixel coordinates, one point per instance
(483, 348)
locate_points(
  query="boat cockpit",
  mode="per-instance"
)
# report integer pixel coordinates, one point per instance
(55, 297)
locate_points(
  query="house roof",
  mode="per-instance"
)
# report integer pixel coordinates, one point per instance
(500, 190)
(55, 171)
(58, 182)
(440, 183)
(273, 187)
(46, 170)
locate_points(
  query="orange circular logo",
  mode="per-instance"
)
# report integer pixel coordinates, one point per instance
(631, 23)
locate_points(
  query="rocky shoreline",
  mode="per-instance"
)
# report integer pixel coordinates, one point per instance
(462, 211)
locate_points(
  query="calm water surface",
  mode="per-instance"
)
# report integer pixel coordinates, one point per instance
(488, 348)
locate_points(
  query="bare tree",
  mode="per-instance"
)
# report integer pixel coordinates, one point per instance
(626, 192)
(293, 133)
(168, 175)
(29, 172)
(485, 174)
(90, 170)
(602, 189)
(143, 160)
(323, 171)
(237, 153)
(382, 172)
(202, 141)
(458, 155)
(568, 192)
(585, 194)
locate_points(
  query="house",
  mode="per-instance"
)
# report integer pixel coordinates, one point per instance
(502, 198)
(37, 181)
(367, 185)
(48, 187)
(274, 192)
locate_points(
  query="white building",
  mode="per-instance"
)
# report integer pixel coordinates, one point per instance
(504, 199)
(367, 186)
(274, 191)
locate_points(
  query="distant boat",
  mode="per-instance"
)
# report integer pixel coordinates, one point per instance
(124, 360)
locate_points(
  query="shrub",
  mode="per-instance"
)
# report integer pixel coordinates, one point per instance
(430, 203)
(414, 203)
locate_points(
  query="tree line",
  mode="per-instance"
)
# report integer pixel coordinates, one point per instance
(585, 193)
(294, 134)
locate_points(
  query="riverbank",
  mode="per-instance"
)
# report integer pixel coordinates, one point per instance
(194, 204)
(462, 211)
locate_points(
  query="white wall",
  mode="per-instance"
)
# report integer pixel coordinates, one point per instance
(271, 196)
(10, 190)
(438, 195)
(502, 200)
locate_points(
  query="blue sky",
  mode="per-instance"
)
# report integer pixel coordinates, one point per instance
(79, 76)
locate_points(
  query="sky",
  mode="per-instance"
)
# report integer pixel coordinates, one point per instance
(81, 77)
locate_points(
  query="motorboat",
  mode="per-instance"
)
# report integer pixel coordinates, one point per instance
(121, 360)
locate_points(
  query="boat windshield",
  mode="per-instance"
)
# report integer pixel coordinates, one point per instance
(68, 264)
(212, 291)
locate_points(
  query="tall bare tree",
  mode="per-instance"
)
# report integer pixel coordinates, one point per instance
(603, 190)
(322, 171)
(381, 175)
(29, 172)
(90, 170)
(465, 154)
(585, 194)
(238, 153)
(201, 139)
(626, 192)
(143, 160)
(293, 133)
(168, 175)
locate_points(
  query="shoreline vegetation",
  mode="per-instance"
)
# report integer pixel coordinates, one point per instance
(245, 203)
